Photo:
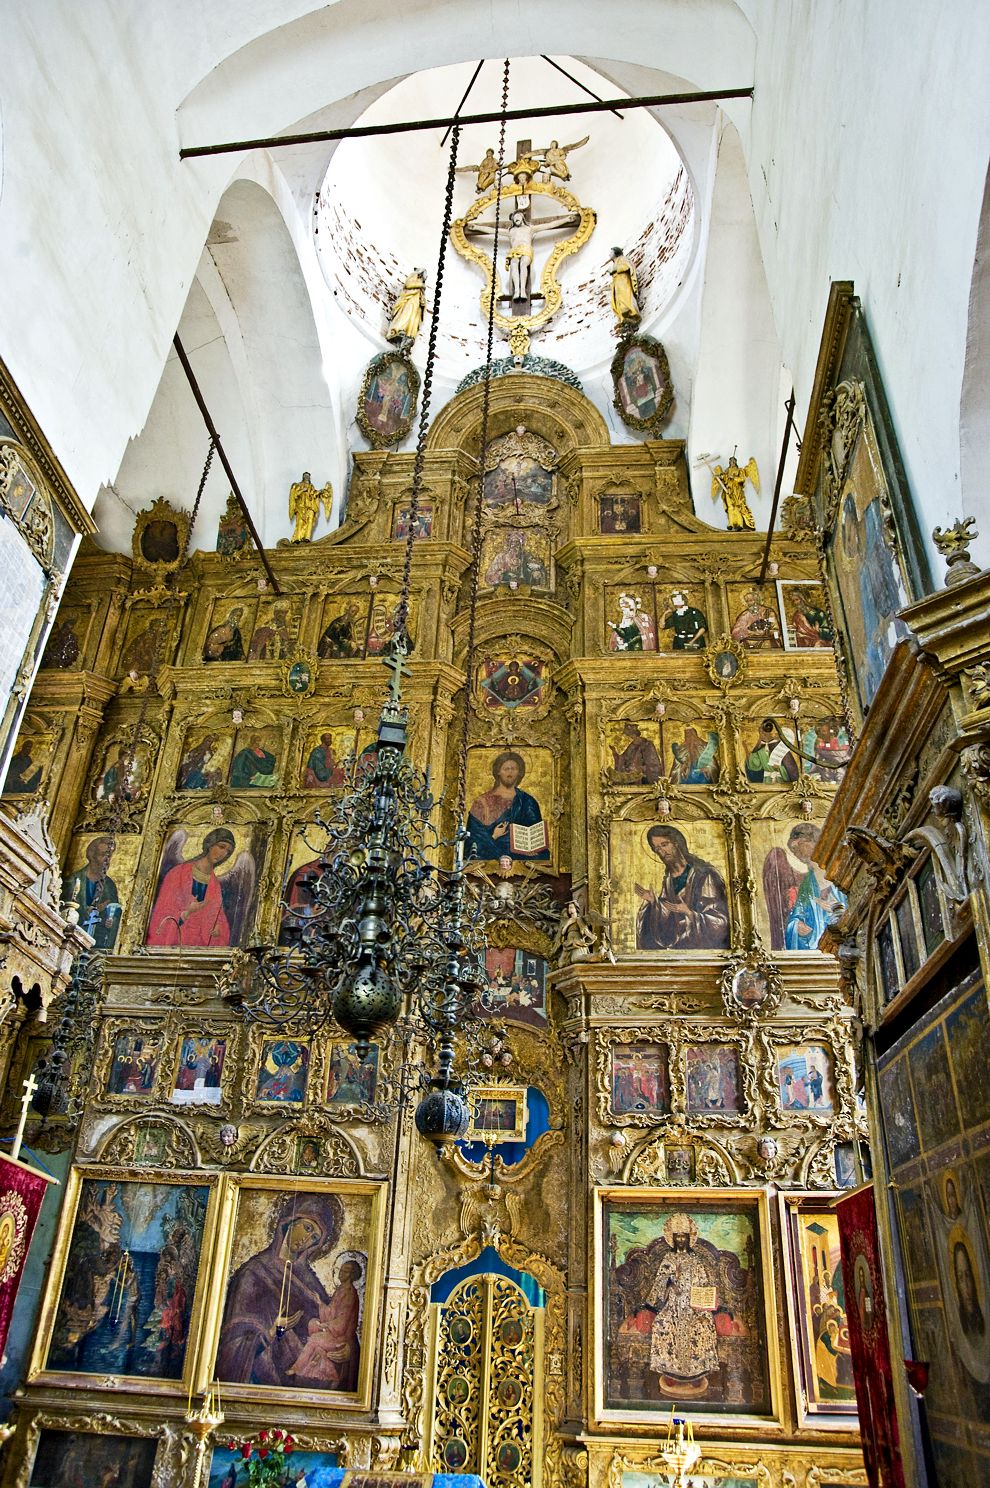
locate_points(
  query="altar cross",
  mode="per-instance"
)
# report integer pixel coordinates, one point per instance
(519, 261)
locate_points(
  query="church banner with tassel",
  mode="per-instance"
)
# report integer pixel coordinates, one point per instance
(868, 1338)
(22, 1192)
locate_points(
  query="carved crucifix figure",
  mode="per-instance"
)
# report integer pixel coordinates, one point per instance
(522, 229)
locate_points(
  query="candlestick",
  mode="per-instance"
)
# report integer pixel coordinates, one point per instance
(283, 1301)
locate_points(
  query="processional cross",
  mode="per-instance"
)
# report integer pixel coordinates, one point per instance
(396, 662)
(30, 1086)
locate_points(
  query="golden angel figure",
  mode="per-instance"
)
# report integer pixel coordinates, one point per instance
(625, 288)
(486, 170)
(407, 313)
(730, 484)
(553, 158)
(304, 506)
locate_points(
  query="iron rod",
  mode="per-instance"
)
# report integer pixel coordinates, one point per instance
(411, 126)
(463, 101)
(211, 430)
(789, 405)
(577, 82)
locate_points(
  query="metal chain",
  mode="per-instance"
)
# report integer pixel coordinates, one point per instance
(482, 454)
(402, 615)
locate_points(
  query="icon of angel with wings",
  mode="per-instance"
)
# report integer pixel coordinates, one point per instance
(206, 900)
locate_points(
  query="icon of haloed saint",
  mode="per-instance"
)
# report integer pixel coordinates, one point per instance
(193, 905)
(690, 911)
(281, 1326)
(507, 821)
(681, 1305)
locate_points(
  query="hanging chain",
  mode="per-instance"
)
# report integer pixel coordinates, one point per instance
(482, 456)
(402, 615)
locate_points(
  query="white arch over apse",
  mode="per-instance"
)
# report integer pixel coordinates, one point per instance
(249, 331)
(102, 227)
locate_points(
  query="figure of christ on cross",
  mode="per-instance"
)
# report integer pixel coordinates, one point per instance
(522, 230)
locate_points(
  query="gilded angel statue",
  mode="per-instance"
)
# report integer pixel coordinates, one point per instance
(730, 484)
(486, 170)
(553, 158)
(304, 506)
(581, 933)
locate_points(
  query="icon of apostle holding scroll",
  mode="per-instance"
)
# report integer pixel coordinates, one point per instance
(507, 822)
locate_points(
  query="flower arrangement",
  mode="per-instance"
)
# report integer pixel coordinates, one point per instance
(264, 1459)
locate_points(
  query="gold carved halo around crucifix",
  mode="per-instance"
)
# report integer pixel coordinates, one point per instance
(520, 326)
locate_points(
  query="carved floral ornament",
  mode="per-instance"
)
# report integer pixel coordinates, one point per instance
(750, 985)
(842, 419)
(517, 443)
(25, 500)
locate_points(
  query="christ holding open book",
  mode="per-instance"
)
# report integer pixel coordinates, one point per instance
(507, 821)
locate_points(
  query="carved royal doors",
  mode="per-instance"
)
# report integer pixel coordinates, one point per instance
(488, 1379)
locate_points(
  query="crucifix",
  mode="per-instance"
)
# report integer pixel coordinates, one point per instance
(395, 660)
(30, 1086)
(522, 229)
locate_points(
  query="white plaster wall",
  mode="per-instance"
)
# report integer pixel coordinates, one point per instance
(974, 411)
(736, 388)
(867, 149)
(869, 146)
(101, 227)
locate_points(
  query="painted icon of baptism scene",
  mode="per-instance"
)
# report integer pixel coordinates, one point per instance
(130, 1279)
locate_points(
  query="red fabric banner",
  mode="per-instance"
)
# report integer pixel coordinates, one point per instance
(22, 1190)
(868, 1339)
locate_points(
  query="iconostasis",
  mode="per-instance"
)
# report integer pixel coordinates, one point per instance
(640, 1215)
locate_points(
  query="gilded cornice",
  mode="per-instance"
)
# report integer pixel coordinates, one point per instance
(27, 429)
(952, 626)
(838, 316)
(899, 722)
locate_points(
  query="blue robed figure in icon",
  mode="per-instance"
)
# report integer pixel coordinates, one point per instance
(507, 821)
(818, 904)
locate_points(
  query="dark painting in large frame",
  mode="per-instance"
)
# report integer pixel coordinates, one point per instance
(851, 468)
(684, 1305)
(126, 1290)
(936, 1116)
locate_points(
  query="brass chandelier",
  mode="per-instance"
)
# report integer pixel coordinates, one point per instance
(386, 934)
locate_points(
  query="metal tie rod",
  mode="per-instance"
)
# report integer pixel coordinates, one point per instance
(411, 126)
